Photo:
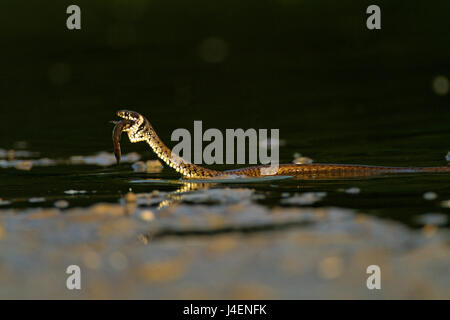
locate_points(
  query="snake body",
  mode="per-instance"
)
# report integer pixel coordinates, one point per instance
(139, 129)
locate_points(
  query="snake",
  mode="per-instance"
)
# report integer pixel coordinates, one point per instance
(139, 129)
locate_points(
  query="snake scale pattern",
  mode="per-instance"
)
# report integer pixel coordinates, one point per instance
(139, 129)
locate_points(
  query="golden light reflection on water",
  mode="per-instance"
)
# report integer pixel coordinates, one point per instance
(331, 267)
(163, 271)
(91, 260)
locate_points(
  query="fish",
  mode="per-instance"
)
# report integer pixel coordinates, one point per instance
(119, 127)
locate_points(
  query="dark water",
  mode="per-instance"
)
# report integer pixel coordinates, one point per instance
(338, 92)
